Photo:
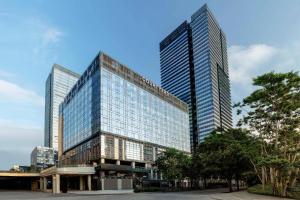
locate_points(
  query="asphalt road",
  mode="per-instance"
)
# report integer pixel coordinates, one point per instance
(195, 195)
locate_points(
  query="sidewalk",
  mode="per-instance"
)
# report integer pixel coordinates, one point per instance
(97, 192)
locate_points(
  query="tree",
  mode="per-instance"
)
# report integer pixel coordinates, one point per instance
(274, 114)
(174, 164)
(226, 154)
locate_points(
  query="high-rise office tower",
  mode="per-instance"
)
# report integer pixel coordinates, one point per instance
(59, 82)
(194, 68)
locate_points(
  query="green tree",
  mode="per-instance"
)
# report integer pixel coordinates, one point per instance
(174, 164)
(226, 154)
(273, 113)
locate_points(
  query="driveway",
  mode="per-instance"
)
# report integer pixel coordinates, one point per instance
(195, 195)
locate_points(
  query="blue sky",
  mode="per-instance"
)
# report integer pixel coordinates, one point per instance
(261, 35)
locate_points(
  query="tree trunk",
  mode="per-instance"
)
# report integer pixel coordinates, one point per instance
(271, 175)
(230, 185)
(294, 178)
(256, 171)
(237, 184)
(284, 193)
(263, 178)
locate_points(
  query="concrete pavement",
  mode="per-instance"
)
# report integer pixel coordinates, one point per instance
(195, 195)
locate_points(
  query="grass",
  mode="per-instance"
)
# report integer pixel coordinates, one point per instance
(257, 189)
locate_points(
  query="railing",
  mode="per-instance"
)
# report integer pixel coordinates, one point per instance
(19, 172)
(114, 167)
(59, 165)
(122, 168)
(140, 169)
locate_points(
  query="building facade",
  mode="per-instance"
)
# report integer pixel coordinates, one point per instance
(194, 68)
(177, 72)
(119, 121)
(42, 157)
(58, 85)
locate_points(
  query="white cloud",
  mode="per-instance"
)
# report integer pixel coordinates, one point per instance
(6, 74)
(45, 37)
(14, 93)
(46, 33)
(51, 35)
(245, 60)
(19, 133)
(22, 108)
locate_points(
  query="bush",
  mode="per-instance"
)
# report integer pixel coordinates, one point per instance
(257, 189)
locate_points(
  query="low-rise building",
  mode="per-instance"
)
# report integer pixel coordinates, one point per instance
(20, 168)
(42, 157)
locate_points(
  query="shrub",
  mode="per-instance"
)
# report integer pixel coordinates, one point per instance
(257, 189)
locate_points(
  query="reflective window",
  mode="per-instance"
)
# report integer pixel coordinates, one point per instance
(130, 111)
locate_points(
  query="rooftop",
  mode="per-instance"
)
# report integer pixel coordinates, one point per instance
(130, 75)
(104, 60)
(61, 68)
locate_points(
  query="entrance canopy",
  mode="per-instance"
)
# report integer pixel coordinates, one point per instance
(79, 170)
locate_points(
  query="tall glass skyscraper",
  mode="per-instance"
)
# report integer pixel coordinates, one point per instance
(58, 85)
(194, 68)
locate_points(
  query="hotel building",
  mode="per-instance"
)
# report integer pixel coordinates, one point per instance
(119, 121)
